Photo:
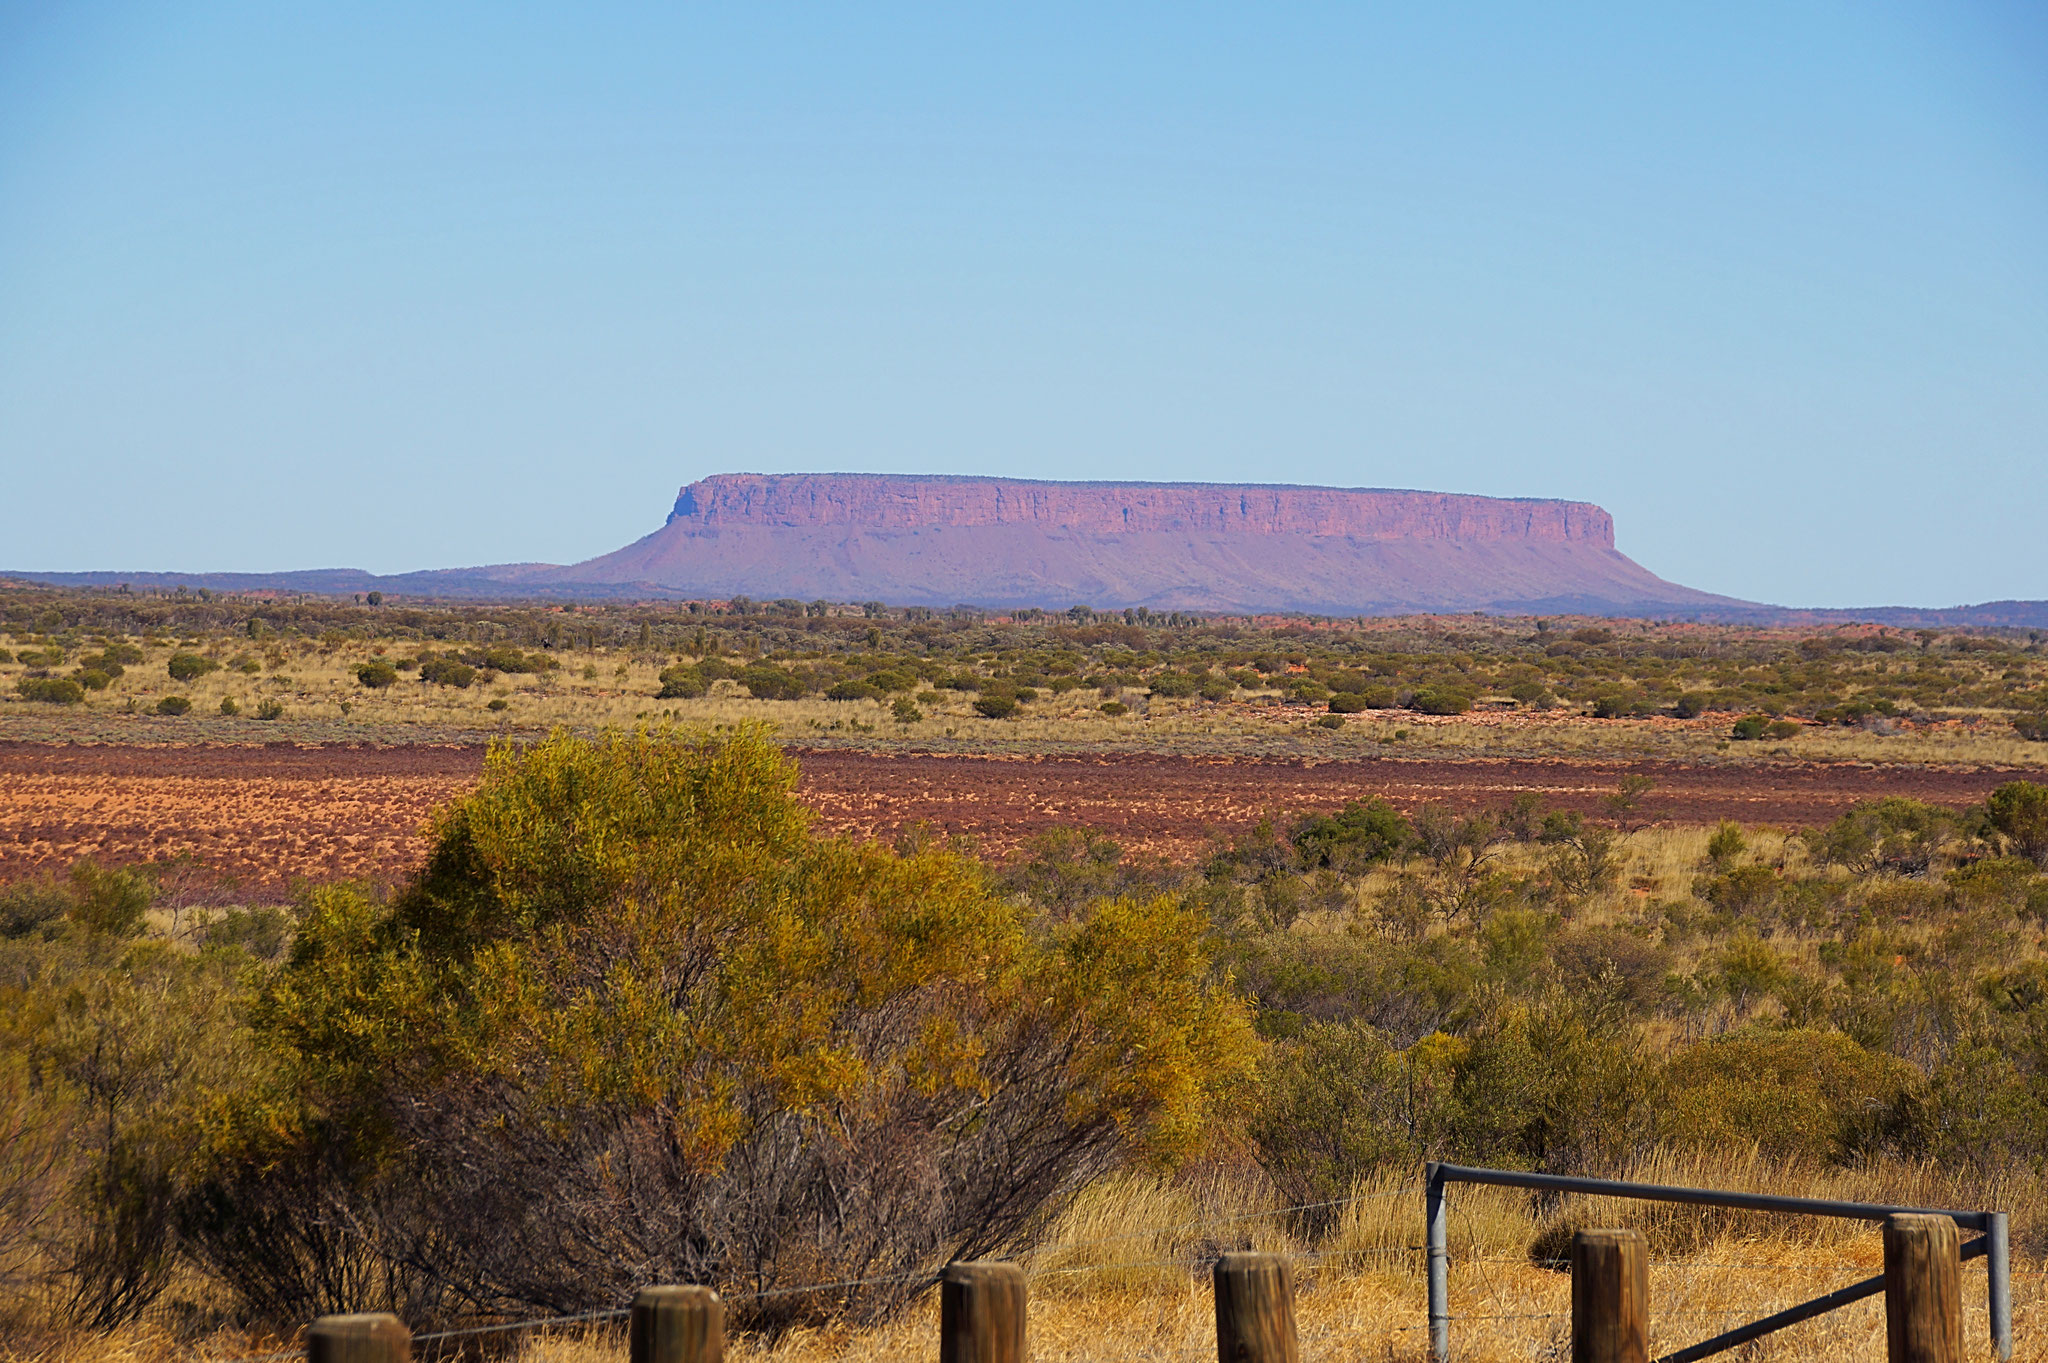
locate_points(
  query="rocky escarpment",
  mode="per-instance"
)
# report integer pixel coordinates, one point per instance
(1196, 546)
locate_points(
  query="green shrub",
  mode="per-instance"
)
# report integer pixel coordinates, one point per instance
(1795, 1095)
(100, 662)
(92, 679)
(376, 674)
(2032, 727)
(1893, 834)
(1348, 703)
(1175, 685)
(1215, 692)
(1330, 722)
(904, 710)
(123, 653)
(764, 681)
(633, 955)
(174, 705)
(893, 681)
(447, 672)
(229, 707)
(1691, 705)
(269, 709)
(1440, 700)
(1305, 691)
(2019, 811)
(1749, 728)
(851, 690)
(1114, 708)
(51, 690)
(682, 682)
(6, 657)
(186, 667)
(1781, 729)
(995, 707)
(1530, 693)
(497, 704)
(1361, 834)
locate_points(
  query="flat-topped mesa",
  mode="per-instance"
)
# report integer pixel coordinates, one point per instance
(901, 502)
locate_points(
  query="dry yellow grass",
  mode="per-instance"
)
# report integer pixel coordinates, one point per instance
(1123, 1275)
(316, 684)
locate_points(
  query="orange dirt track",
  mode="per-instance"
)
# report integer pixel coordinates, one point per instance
(264, 817)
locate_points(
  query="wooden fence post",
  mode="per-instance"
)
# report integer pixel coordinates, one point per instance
(1923, 1290)
(981, 1313)
(371, 1337)
(676, 1325)
(1610, 1297)
(1255, 1310)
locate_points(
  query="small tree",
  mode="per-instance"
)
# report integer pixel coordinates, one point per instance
(186, 667)
(2019, 811)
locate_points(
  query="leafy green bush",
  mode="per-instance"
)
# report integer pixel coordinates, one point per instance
(1175, 685)
(269, 709)
(1893, 834)
(1114, 708)
(92, 679)
(851, 690)
(174, 705)
(890, 680)
(995, 707)
(682, 681)
(497, 704)
(1330, 722)
(51, 690)
(186, 667)
(1440, 700)
(2032, 726)
(2018, 810)
(1348, 703)
(765, 681)
(1750, 728)
(230, 707)
(123, 654)
(1803, 1095)
(447, 672)
(632, 956)
(1691, 705)
(1781, 729)
(1363, 833)
(376, 674)
(904, 710)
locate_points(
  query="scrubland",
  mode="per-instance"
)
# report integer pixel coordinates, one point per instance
(833, 674)
(634, 1021)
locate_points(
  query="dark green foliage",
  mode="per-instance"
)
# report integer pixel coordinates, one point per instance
(1330, 722)
(2032, 726)
(1691, 705)
(1801, 1095)
(497, 704)
(851, 690)
(1440, 700)
(92, 679)
(1348, 703)
(376, 674)
(1361, 834)
(1114, 708)
(1750, 728)
(996, 707)
(2018, 812)
(230, 707)
(765, 681)
(1893, 834)
(174, 705)
(51, 690)
(447, 672)
(189, 666)
(904, 710)
(1175, 685)
(268, 709)
(682, 681)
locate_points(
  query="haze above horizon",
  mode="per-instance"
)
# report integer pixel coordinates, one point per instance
(380, 287)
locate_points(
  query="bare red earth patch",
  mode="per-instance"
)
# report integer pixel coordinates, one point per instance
(262, 817)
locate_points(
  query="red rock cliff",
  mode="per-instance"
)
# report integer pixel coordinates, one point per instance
(897, 502)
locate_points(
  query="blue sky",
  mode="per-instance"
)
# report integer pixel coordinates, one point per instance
(404, 286)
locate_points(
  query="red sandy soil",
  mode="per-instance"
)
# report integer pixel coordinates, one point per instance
(264, 817)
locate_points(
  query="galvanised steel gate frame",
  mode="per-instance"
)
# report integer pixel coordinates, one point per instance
(1990, 1245)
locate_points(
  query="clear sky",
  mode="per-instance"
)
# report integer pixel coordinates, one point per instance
(421, 285)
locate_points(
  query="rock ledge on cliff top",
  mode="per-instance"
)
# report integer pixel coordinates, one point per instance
(915, 540)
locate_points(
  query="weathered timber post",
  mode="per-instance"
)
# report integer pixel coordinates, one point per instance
(1610, 1297)
(1255, 1310)
(1437, 1241)
(1923, 1296)
(371, 1337)
(676, 1325)
(981, 1313)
